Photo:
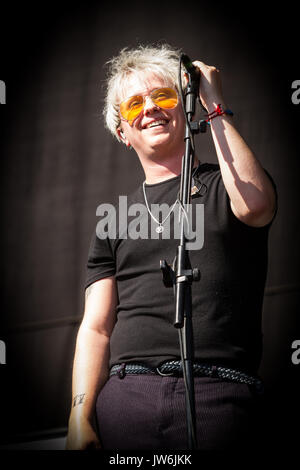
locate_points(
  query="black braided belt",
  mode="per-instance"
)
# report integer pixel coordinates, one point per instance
(173, 368)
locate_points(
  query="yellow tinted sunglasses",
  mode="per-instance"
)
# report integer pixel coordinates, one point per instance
(165, 98)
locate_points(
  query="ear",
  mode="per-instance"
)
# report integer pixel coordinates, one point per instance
(122, 136)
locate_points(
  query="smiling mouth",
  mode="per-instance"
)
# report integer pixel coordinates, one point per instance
(159, 122)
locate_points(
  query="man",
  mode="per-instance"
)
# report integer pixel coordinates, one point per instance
(127, 335)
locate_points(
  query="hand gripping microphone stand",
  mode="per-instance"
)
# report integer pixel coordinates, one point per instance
(181, 275)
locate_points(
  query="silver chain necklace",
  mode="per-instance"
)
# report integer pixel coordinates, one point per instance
(159, 228)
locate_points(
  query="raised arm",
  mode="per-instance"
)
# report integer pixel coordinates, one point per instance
(90, 368)
(250, 190)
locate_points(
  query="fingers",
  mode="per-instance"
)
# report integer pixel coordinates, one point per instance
(210, 91)
(204, 68)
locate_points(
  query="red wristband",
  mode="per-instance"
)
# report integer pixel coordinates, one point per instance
(219, 111)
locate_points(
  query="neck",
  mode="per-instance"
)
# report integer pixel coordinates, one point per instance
(156, 172)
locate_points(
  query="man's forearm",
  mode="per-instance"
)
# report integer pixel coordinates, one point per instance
(251, 193)
(249, 188)
(90, 371)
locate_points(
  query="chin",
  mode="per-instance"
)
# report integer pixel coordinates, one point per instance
(161, 139)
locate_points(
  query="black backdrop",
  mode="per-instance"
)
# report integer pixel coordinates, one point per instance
(59, 164)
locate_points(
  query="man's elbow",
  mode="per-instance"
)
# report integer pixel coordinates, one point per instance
(259, 214)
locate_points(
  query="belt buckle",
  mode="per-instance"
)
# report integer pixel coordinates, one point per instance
(168, 374)
(162, 374)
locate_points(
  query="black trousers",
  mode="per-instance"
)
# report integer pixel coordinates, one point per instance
(148, 412)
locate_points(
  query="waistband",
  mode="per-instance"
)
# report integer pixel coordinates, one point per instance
(174, 368)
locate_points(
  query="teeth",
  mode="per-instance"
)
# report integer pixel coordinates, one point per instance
(156, 123)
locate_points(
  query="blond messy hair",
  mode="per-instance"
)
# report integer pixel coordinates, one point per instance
(162, 60)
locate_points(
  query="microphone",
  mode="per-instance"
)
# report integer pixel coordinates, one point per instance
(190, 68)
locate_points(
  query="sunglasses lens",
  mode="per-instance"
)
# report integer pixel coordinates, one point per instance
(165, 98)
(132, 107)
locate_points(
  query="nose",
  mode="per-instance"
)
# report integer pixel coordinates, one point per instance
(149, 105)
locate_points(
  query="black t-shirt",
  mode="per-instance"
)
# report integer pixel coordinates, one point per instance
(226, 302)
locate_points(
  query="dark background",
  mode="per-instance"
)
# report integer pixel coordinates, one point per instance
(59, 163)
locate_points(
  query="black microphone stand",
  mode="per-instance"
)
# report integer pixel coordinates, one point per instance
(181, 275)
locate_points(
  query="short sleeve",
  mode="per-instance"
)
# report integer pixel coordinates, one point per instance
(101, 261)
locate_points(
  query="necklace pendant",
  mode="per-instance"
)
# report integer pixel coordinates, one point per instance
(159, 229)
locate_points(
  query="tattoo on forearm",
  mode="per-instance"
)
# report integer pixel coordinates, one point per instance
(78, 399)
